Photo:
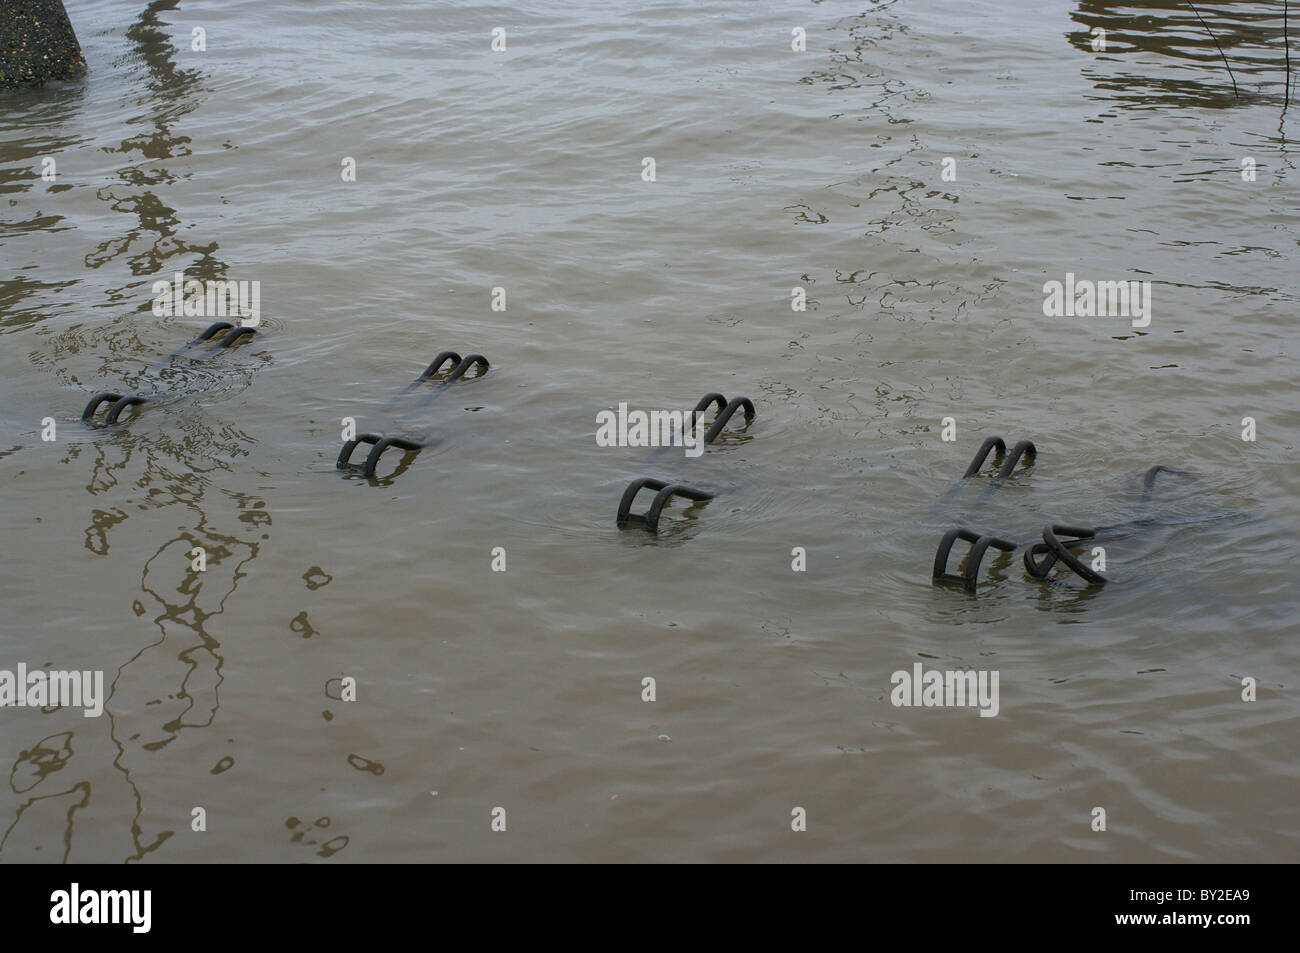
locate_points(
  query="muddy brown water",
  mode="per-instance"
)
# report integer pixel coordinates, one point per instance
(522, 689)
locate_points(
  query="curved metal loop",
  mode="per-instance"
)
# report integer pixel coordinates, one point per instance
(237, 332)
(721, 420)
(467, 362)
(122, 404)
(1058, 551)
(210, 330)
(377, 451)
(663, 496)
(980, 545)
(665, 492)
(711, 398)
(1149, 479)
(345, 455)
(1026, 449)
(436, 366)
(103, 397)
(1039, 569)
(977, 555)
(982, 454)
(633, 488)
(940, 571)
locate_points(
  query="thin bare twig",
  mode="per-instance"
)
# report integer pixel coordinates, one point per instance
(1220, 49)
(1286, 45)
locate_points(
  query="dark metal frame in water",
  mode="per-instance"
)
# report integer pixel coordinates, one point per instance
(668, 489)
(460, 367)
(232, 334)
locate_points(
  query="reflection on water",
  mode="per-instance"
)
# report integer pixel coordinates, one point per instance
(187, 463)
(1190, 45)
(50, 809)
(186, 654)
(172, 94)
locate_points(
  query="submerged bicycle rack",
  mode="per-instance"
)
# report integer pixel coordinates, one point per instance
(460, 367)
(1053, 549)
(1040, 556)
(980, 542)
(232, 334)
(980, 545)
(1005, 462)
(666, 490)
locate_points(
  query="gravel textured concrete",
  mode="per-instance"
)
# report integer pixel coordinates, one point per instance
(37, 43)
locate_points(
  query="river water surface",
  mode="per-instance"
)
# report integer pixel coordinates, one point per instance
(774, 169)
